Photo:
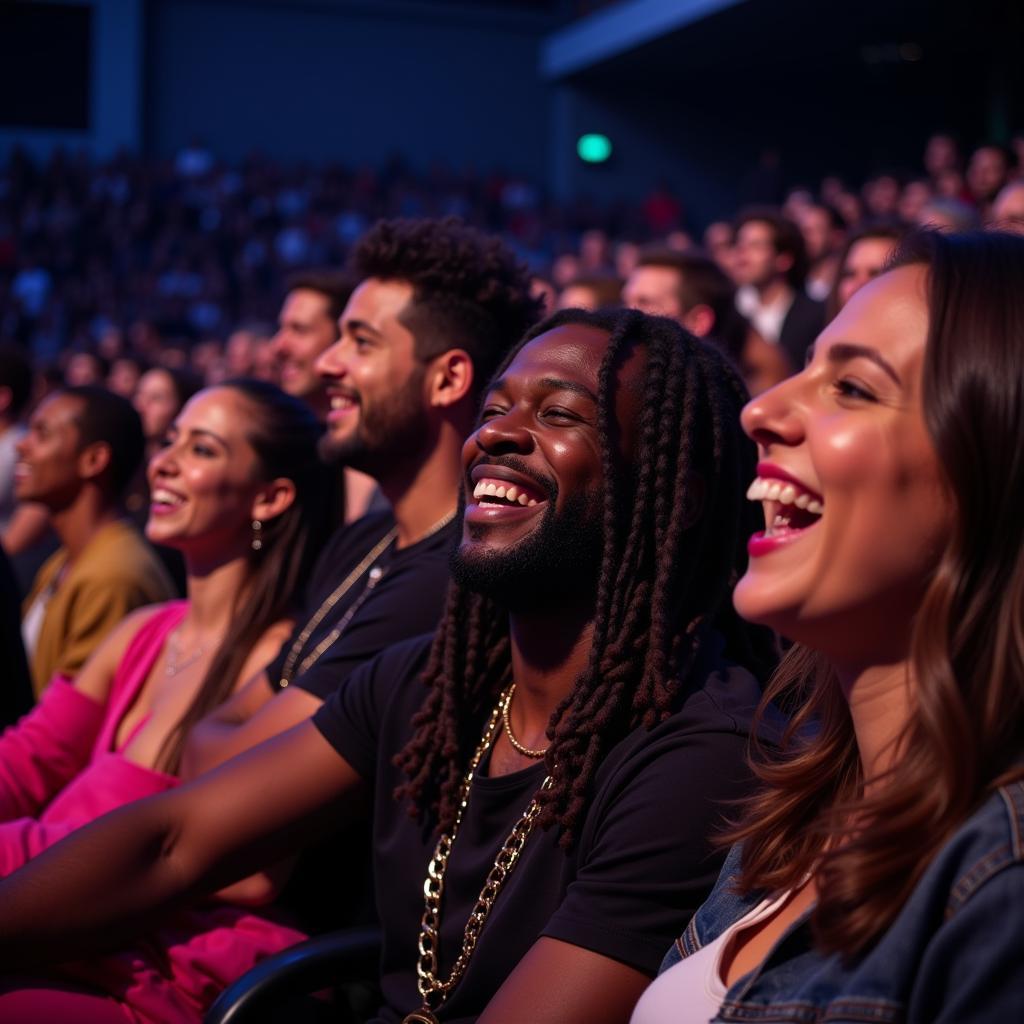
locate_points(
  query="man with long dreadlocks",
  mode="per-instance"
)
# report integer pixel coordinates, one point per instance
(556, 762)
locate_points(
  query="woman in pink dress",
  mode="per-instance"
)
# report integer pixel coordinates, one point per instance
(237, 488)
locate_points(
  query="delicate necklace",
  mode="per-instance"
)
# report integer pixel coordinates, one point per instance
(506, 709)
(173, 663)
(376, 574)
(433, 989)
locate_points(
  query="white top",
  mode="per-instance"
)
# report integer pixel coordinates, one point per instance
(767, 318)
(691, 991)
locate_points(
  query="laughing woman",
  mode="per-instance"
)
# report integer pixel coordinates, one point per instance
(237, 488)
(879, 875)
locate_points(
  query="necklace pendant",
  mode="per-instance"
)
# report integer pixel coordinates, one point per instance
(421, 1016)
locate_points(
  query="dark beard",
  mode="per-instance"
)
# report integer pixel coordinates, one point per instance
(393, 431)
(558, 562)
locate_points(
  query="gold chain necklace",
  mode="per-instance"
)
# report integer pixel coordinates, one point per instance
(433, 989)
(506, 714)
(288, 673)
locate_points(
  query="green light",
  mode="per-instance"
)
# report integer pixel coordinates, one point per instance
(594, 149)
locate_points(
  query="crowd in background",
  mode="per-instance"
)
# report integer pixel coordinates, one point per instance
(108, 267)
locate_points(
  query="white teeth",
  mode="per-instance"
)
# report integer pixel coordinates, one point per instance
(523, 499)
(512, 493)
(767, 489)
(165, 497)
(500, 492)
(531, 503)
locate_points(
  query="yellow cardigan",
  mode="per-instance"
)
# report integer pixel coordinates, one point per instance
(116, 572)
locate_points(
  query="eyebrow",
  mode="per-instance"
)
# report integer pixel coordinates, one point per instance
(359, 325)
(207, 433)
(846, 350)
(553, 384)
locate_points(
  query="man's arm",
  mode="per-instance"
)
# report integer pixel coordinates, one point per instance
(109, 880)
(557, 982)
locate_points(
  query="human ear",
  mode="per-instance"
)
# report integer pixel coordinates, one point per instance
(450, 378)
(273, 499)
(700, 320)
(93, 459)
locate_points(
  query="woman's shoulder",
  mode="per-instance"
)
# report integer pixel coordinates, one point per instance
(987, 844)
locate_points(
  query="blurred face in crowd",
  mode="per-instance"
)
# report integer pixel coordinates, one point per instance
(578, 296)
(123, 377)
(816, 226)
(718, 243)
(1008, 209)
(238, 353)
(940, 155)
(882, 195)
(757, 262)
(855, 509)
(915, 197)
(205, 481)
(863, 263)
(305, 330)
(655, 290)
(156, 402)
(986, 173)
(374, 382)
(84, 370)
(49, 455)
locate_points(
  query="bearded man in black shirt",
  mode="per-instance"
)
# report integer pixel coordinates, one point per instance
(547, 774)
(437, 307)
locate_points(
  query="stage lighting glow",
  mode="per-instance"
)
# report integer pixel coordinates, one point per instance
(593, 148)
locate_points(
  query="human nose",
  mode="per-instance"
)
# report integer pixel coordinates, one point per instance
(162, 462)
(333, 361)
(775, 416)
(503, 433)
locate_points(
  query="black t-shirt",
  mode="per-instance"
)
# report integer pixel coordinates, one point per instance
(641, 867)
(407, 601)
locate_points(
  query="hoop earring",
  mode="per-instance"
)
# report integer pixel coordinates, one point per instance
(257, 541)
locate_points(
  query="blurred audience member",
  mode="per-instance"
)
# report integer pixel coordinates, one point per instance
(82, 448)
(987, 173)
(824, 231)
(948, 214)
(863, 258)
(1008, 209)
(882, 196)
(591, 291)
(916, 196)
(941, 154)
(125, 371)
(15, 393)
(307, 326)
(86, 369)
(718, 243)
(770, 268)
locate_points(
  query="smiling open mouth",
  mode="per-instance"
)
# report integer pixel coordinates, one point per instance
(788, 508)
(491, 491)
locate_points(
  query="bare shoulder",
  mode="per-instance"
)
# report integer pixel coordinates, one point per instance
(96, 675)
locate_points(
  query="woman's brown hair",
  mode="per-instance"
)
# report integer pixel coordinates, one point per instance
(966, 734)
(283, 433)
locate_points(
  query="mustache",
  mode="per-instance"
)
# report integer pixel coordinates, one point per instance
(517, 465)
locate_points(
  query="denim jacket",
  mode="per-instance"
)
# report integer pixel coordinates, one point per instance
(954, 953)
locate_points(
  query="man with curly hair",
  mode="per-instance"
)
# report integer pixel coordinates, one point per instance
(438, 306)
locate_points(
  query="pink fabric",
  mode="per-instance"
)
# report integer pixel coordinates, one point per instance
(184, 964)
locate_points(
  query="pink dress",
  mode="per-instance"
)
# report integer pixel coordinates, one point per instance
(59, 770)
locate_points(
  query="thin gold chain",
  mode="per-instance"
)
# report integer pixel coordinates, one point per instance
(432, 988)
(376, 574)
(506, 718)
(329, 602)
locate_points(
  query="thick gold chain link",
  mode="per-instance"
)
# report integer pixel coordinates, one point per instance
(431, 987)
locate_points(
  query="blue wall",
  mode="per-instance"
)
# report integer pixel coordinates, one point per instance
(355, 82)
